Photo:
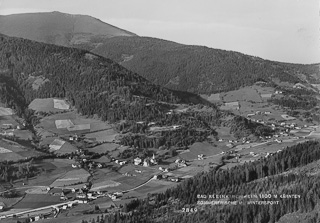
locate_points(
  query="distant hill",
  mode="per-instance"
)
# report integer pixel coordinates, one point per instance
(58, 28)
(199, 69)
(195, 69)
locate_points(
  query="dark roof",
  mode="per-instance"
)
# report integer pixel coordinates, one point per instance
(55, 190)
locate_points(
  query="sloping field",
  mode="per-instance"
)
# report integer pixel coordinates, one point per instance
(212, 97)
(42, 104)
(314, 135)
(103, 136)
(200, 148)
(60, 104)
(266, 96)
(103, 148)
(17, 151)
(79, 127)
(4, 150)
(6, 111)
(63, 124)
(72, 177)
(243, 94)
(104, 185)
(37, 200)
(66, 148)
(56, 145)
(99, 125)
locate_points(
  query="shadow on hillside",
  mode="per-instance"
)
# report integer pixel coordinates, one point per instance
(188, 97)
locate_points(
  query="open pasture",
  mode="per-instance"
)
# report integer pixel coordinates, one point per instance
(104, 185)
(31, 201)
(313, 135)
(72, 177)
(79, 127)
(42, 104)
(23, 134)
(71, 122)
(103, 148)
(56, 145)
(66, 148)
(60, 104)
(243, 94)
(8, 121)
(18, 151)
(198, 148)
(212, 97)
(49, 105)
(4, 150)
(6, 111)
(103, 136)
(63, 124)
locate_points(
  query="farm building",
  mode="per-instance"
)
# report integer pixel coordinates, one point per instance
(56, 192)
(2, 206)
(137, 161)
(146, 162)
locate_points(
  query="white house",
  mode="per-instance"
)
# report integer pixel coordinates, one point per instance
(137, 161)
(2, 206)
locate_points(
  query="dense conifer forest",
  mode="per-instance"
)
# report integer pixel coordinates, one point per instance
(196, 69)
(94, 85)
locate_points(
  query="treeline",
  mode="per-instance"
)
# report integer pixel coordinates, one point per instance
(180, 138)
(196, 69)
(8, 172)
(94, 86)
(239, 180)
(243, 127)
(296, 102)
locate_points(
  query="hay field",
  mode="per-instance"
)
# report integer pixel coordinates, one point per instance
(104, 185)
(80, 127)
(4, 150)
(42, 104)
(103, 148)
(6, 111)
(60, 104)
(17, 151)
(23, 134)
(49, 105)
(243, 94)
(32, 201)
(313, 135)
(103, 136)
(66, 148)
(70, 122)
(204, 148)
(212, 97)
(63, 124)
(71, 177)
(8, 120)
(266, 96)
(56, 144)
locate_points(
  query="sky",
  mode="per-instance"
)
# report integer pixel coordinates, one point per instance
(280, 30)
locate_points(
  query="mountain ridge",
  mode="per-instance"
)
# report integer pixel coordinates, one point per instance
(191, 68)
(57, 28)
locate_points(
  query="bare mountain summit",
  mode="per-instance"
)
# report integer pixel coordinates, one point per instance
(58, 28)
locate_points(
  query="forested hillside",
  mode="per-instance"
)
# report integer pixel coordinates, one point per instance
(198, 69)
(93, 84)
(195, 69)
